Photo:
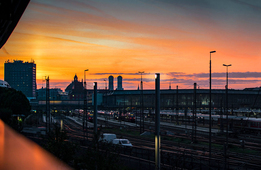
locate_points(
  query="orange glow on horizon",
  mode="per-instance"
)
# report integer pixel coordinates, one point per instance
(98, 36)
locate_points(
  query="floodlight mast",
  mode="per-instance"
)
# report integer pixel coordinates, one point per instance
(210, 122)
(226, 144)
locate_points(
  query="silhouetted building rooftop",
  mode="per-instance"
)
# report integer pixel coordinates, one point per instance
(75, 89)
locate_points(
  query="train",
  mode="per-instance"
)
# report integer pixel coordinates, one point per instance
(128, 116)
(124, 116)
(236, 124)
(90, 117)
(241, 124)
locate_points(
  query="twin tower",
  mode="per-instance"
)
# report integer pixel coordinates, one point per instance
(119, 83)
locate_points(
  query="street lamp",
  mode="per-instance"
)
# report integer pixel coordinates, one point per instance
(105, 84)
(141, 87)
(210, 106)
(157, 121)
(85, 100)
(226, 145)
(95, 108)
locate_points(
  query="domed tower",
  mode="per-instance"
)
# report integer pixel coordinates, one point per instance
(75, 89)
(111, 88)
(119, 81)
(75, 78)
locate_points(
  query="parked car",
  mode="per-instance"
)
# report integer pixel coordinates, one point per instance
(107, 137)
(123, 142)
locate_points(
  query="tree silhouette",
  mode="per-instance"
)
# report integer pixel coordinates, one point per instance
(13, 102)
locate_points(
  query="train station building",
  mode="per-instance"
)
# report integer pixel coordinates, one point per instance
(170, 99)
(183, 98)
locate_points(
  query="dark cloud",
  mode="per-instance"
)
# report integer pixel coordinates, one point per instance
(218, 75)
(149, 83)
(245, 75)
(117, 74)
(179, 74)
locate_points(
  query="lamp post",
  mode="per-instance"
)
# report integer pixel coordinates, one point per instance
(95, 108)
(226, 145)
(85, 101)
(210, 120)
(47, 116)
(157, 121)
(141, 113)
(105, 84)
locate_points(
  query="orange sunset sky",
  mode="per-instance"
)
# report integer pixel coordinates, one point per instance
(123, 37)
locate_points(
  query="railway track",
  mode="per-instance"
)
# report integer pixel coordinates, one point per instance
(252, 142)
(199, 153)
(235, 159)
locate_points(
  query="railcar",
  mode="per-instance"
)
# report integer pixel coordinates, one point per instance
(130, 117)
(247, 124)
(242, 124)
(90, 117)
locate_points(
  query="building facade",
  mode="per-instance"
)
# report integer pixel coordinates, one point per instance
(54, 94)
(21, 76)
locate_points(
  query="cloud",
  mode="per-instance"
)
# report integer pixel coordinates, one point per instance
(132, 83)
(57, 38)
(120, 73)
(236, 79)
(217, 75)
(5, 51)
(103, 22)
(245, 75)
(179, 74)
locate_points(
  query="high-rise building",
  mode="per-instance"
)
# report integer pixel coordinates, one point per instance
(111, 88)
(119, 81)
(21, 76)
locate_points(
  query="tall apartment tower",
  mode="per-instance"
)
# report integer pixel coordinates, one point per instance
(111, 83)
(119, 81)
(21, 76)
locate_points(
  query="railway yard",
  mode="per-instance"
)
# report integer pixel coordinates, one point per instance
(181, 147)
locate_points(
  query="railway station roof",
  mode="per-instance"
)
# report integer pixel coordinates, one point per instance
(182, 91)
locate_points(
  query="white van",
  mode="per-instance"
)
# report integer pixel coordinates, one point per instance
(123, 142)
(107, 137)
